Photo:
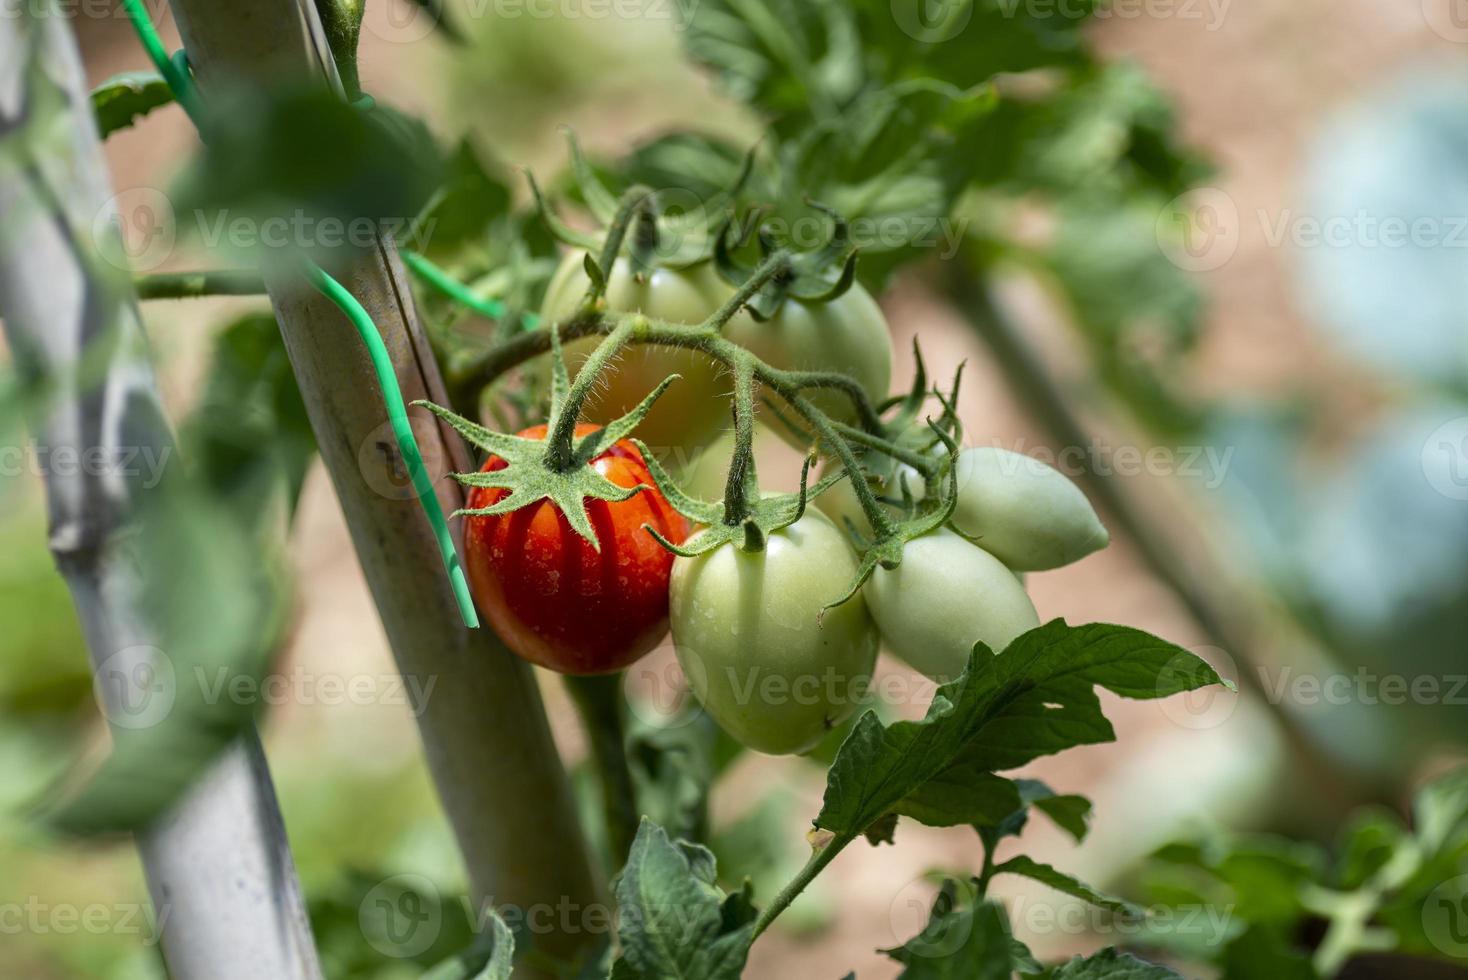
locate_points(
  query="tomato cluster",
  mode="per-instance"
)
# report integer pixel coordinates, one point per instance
(758, 631)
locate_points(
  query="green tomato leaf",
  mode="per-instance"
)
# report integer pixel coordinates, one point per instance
(1068, 884)
(883, 831)
(1440, 812)
(1070, 813)
(123, 99)
(1260, 951)
(1264, 875)
(784, 56)
(1107, 128)
(1034, 699)
(889, 152)
(674, 922)
(1024, 960)
(965, 44)
(961, 794)
(1371, 838)
(249, 431)
(963, 940)
(341, 172)
(1112, 965)
(694, 162)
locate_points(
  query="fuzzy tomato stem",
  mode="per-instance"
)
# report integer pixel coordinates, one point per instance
(788, 383)
(871, 508)
(814, 866)
(778, 264)
(633, 203)
(741, 465)
(560, 452)
(927, 465)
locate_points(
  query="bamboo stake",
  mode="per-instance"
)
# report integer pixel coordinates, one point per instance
(218, 865)
(484, 727)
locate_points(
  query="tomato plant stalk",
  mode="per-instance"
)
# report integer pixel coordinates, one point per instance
(600, 703)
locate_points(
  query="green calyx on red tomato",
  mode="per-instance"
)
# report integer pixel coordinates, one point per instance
(557, 542)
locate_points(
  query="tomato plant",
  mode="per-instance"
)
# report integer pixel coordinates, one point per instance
(654, 335)
(553, 597)
(775, 668)
(843, 335)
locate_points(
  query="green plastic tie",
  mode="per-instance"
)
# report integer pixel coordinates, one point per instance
(392, 397)
(175, 72)
(439, 278)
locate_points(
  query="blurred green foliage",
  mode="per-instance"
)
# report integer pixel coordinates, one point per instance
(1281, 908)
(43, 669)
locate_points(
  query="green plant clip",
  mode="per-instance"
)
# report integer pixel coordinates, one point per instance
(440, 279)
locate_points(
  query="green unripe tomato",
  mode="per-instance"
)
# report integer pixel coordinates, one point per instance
(848, 335)
(695, 409)
(946, 596)
(750, 636)
(1024, 512)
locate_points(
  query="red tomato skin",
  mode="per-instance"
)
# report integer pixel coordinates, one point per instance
(550, 595)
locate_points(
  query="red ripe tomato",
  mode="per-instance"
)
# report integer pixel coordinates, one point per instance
(552, 597)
